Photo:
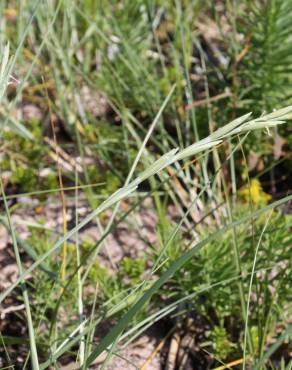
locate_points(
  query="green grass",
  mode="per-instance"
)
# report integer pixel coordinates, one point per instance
(128, 88)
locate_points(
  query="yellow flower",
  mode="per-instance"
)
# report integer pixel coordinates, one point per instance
(255, 193)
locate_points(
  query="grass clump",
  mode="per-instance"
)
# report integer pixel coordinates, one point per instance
(145, 139)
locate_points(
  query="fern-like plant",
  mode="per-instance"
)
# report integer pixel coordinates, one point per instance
(264, 73)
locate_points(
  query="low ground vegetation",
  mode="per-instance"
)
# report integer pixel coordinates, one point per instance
(145, 184)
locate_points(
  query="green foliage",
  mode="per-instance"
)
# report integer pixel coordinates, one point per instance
(132, 53)
(262, 79)
(222, 345)
(134, 268)
(24, 177)
(215, 264)
(40, 237)
(264, 73)
(109, 285)
(25, 158)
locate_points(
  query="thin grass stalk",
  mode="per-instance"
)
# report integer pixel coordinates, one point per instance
(273, 348)
(250, 289)
(237, 261)
(32, 65)
(32, 341)
(62, 193)
(79, 278)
